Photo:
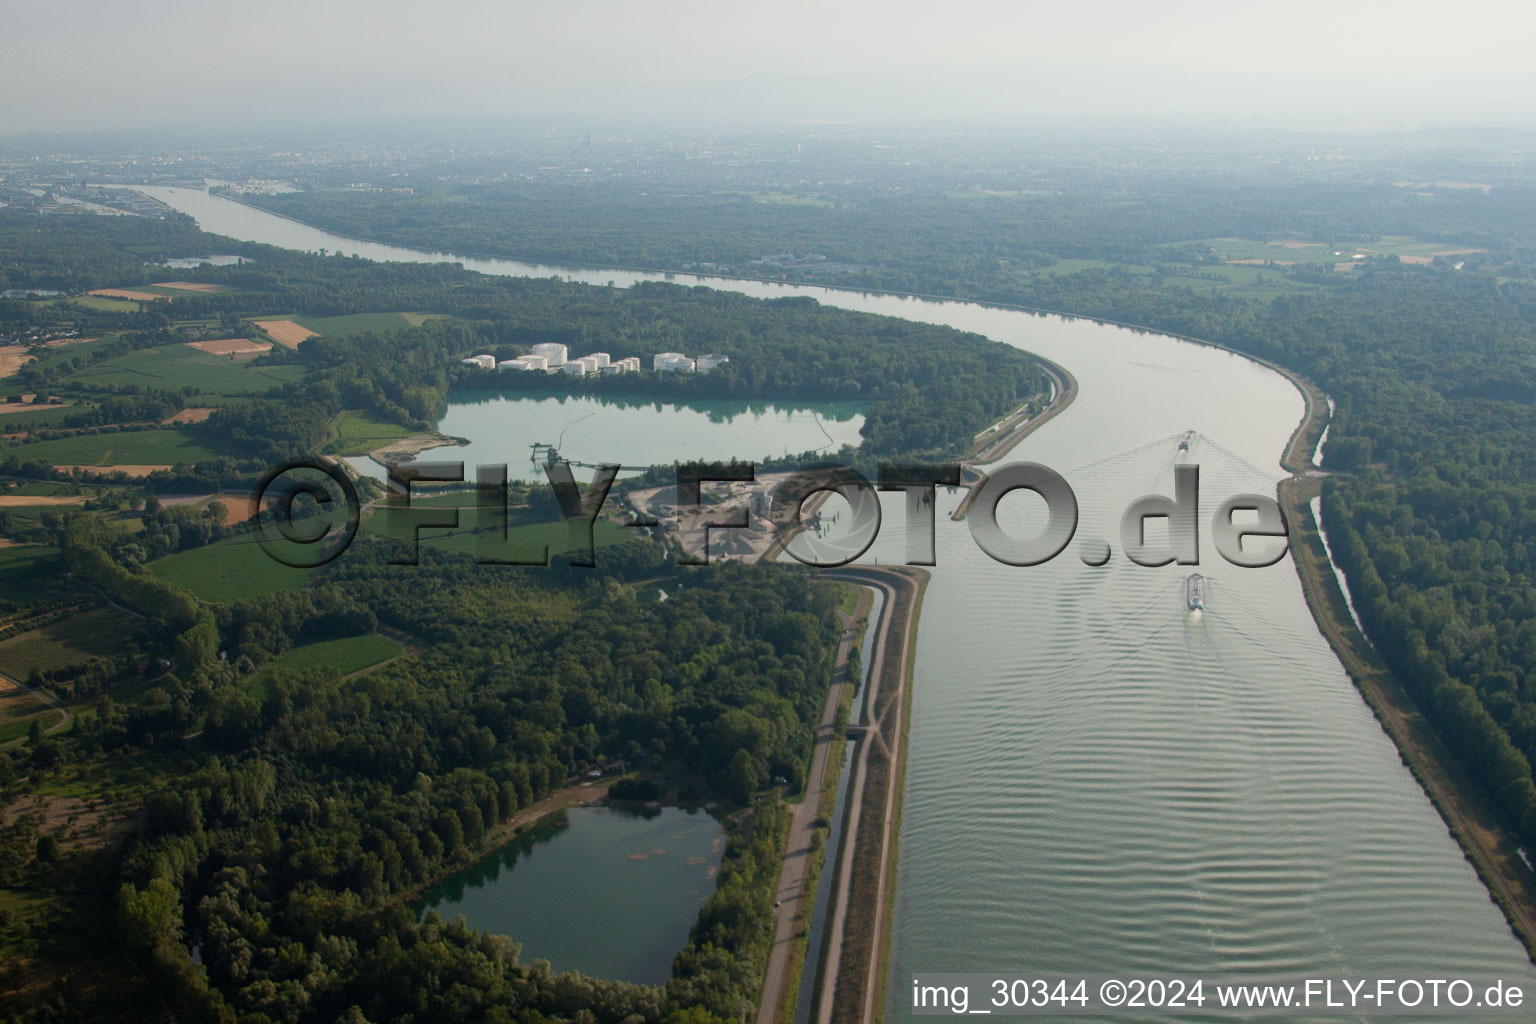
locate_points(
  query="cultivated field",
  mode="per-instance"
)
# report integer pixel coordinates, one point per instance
(1250, 252)
(99, 633)
(357, 323)
(229, 571)
(13, 358)
(197, 414)
(126, 293)
(29, 571)
(238, 507)
(347, 655)
(174, 367)
(232, 347)
(158, 447)
(285, 332)
(12, 408)
(41, 500)
(18, 706)
(193, 286)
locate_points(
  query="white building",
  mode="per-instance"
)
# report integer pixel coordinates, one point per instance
(485, 361)
(513, 364)
(580, 367)
(600, 358)
(553, 353)
(709, 362)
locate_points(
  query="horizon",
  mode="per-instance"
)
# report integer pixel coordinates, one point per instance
(1193, 59)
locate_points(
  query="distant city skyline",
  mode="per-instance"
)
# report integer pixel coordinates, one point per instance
(76, 66)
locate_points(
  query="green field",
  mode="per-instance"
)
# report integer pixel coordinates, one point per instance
(15, 418)
(99, 633)
(107, 304)
(52, 489)
(237, 569)
(347, 655)
(29, 572)
(358, 433)
(1319, 253)
(158, 447)
(1071, 266)
(181, 366)
(230, 570)
(524, 535)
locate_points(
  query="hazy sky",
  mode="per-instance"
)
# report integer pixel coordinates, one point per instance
(71, 65)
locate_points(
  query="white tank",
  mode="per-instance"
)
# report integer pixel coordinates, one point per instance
(553, 353)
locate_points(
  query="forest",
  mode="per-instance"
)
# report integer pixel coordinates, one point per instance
(930, 388)
(921, 240)
(309, 806)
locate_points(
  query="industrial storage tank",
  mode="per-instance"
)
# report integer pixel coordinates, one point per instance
(553, 353)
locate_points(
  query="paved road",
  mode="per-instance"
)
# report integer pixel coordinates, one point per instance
(791, 892)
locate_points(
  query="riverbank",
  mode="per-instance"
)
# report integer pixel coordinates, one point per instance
(1468, 814)
(407, 448)
(852, 976)
(973, 478)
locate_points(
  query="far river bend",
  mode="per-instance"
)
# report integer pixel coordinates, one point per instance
(1099, 780)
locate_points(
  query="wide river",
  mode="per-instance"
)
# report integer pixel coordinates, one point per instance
(1099, 780)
